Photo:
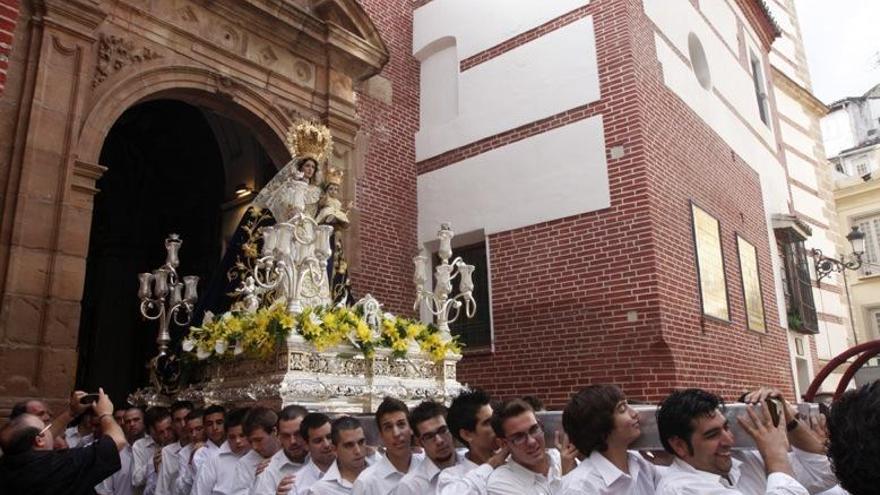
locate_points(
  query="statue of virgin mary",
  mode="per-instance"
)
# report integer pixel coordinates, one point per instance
(310, 145)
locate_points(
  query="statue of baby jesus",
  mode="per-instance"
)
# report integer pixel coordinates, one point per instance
(331, 211)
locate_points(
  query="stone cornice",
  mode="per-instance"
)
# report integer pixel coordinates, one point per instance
(801, 94)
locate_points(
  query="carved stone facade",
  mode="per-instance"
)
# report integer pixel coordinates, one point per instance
(78, 65)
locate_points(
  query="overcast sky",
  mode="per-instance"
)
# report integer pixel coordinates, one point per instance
(842, 40)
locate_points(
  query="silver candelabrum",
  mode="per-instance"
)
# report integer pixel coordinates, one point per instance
(294, 257)
(164, 298)
(445, 309)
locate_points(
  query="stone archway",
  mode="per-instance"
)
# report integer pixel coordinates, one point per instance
(77, 65)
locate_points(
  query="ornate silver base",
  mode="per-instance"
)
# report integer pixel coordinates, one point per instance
(337, 380)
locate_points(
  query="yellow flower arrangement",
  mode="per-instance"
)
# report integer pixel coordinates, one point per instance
(259, 334)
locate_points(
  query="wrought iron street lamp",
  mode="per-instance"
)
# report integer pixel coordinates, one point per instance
(825, 266)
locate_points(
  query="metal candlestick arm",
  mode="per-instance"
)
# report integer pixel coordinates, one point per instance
(164, 298)
(445, 309)
(293, 252)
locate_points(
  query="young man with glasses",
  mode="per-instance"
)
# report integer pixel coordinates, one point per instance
(428, 421)
(382, 478)
(532, 469)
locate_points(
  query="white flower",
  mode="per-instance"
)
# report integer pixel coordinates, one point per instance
(390, 317)
(237, 349)
(226, 316)
(209, 318)
(314, 318)
(220, 346)
(188, 345)
(203, 353)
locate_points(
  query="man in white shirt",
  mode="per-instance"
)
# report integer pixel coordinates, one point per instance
(854, 439)
(428, 422)
(693, 427)
(392, 420)
(350, 451)
(82, 433)
(215, 435)
(602, 426)
(144, 451)
(120, 482)
(291, 459)
(168, 466)
(217, 475)
(470, 420)
(195, 427)
(315, 430)
(532, 469)
(261, 429)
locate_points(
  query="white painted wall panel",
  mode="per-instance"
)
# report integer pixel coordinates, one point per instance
(823, 346)
(796, 138)
(781, 16)
(786, 68)
(791, 109)
(552, 175)
(549, 75)
(837, 133)
(801, 170)
(723, 19)
(480, 25)
(786, 47)
(808, 204)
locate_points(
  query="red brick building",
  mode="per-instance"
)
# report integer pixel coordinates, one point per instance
(566, 143)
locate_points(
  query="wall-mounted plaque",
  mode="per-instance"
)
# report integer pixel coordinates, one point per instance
(710, 264)
(751, 283)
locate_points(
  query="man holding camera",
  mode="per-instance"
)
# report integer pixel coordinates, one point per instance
(29, 465)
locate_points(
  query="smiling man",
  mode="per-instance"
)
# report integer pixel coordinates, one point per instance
(532, 469)
(382, 478)
(428, 421)
(602, 426)
(693, 428)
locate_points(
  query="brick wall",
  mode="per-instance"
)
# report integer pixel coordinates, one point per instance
(386, 190)
(612, 296)
(8, 19)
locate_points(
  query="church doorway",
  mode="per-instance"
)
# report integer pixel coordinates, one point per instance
(171, 167)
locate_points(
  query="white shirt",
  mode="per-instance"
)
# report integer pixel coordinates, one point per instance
(142, 453)
(331, 484)
(746, 477)
(812, 473)
(279, 466)
(464, 478)
(598, 475)
(382, 478)
(75, 439)
(207, 452)
(245, 472)
(424, 478)
(217, 475)
(168, 469)
(515, 479)
(184, 481)
(120, 482)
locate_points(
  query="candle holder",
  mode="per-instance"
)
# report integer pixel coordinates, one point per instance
(164, 297)
(443, 308)
(294, 260)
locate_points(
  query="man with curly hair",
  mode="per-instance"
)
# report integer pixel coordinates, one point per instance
(854, 439)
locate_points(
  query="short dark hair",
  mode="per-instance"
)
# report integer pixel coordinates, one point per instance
(588, 418)
(388, 406)
(155, 415)
(195, 414)
(462, 414)
(235, 418)
(423, 412)
(312, 421)
(292, 411)
(20, 408)
(676, 413)
(343, 423)
(18, 436)
(509, 409)
(854, 439)
(182, 404)
(536, 403)
(260, 418)
(215, 409)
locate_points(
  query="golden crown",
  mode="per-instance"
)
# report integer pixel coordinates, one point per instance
(307, 139)
(334, 176)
